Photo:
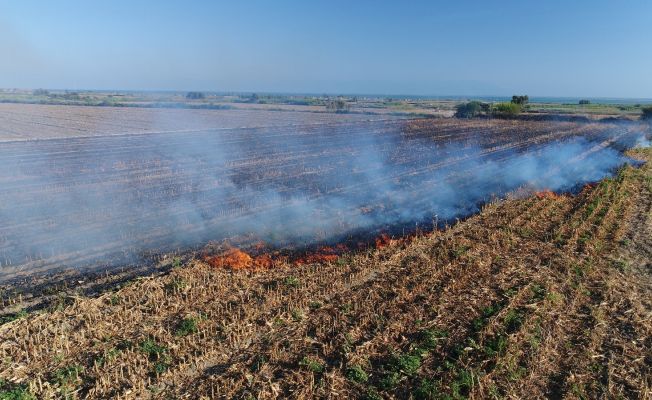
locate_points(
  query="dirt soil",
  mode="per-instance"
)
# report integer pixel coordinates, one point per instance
(540, 297)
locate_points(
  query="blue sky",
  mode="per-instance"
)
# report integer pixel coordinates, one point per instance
(543, 48)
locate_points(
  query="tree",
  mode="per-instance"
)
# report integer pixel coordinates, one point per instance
(647, 113)
(71, 96)
(470, 109)
(338, 105)
(195, 96)
(520, 100)
(40, 92)
(507, 109)
(585, 102)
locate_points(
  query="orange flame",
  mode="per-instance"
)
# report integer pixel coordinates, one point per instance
(546, 194)
(231, 259)
(237, 259)
(323, 254)
(263, 261)
(383, 241)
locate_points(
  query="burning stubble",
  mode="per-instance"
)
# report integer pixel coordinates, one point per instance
(106, 201)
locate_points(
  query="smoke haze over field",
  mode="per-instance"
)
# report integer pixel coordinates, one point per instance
(109, 200)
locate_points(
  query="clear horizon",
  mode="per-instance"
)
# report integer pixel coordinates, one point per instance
(281, 93)
(429, 49)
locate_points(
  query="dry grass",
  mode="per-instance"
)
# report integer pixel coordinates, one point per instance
(543, 297)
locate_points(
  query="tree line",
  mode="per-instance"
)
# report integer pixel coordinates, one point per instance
(505, 109)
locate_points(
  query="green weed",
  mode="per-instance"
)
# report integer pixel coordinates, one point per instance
(538, 292)
(314, 305)
(357, 374)
(427, 390)
(157, 354)
(463, 383)
(176, 284)
(513, 320)
(186, 327)
(430, 338)
(151, 348)
(459, 251)
(495, 346)
(68, 375)
(12, 391)
(108, 356)
(408, 364)
(372, 394)
(390, 380)
(13, 317)
(312, 365)
(297, 315)
(292, 281)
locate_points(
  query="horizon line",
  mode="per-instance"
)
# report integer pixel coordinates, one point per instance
(322, 94)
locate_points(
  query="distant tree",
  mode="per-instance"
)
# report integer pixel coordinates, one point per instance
(506, 109)
(40, 92)
(254, 98)
(195, 96)
(647, 113)
(71, 96)
(338, 105)
(520, 100)
(585, 102)
(470, 109)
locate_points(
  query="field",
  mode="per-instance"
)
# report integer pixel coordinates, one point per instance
(37, 122)
(546, 296)
(405, 106)
(100, 202)
(372, 105)
(266, 254)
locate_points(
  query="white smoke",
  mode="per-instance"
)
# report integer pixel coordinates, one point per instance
(82, 201)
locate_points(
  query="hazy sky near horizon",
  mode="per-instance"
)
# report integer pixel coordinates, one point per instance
(543, 48)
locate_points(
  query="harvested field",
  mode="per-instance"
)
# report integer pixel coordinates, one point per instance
(97, 203)
(36, 122)
(541, 297)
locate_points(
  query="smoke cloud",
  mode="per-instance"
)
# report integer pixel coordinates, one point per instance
(107, 201)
